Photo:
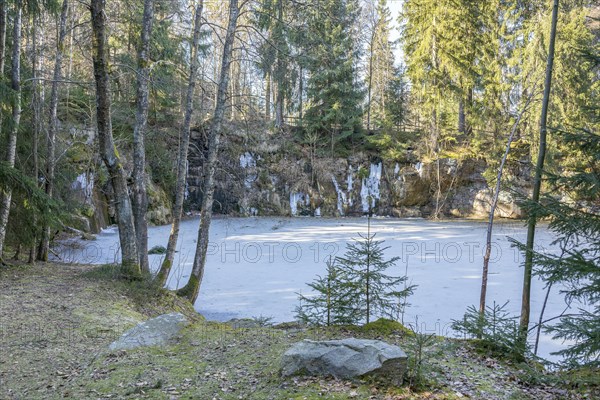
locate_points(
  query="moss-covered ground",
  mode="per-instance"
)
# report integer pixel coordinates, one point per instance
(56, 322)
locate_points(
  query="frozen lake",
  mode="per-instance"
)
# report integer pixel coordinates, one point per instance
(256, 266)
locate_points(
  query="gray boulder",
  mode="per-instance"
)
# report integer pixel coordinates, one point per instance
(345, 358)
(153, 332)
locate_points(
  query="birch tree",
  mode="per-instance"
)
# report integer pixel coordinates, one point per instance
(184, 144)
(192, 288)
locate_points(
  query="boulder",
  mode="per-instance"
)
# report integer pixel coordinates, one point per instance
(153, 332)
(345, 358)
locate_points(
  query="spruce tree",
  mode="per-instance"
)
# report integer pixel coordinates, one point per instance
(331, 304)
(576, 223)
(381, 71)
(356, 287)
(374, 292)
(334, 111)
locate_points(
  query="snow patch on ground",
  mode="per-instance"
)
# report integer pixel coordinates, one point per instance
(247, 160)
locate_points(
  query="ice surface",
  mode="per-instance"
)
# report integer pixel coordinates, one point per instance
(256, 266)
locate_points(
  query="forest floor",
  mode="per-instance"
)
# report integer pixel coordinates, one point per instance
(56, 322)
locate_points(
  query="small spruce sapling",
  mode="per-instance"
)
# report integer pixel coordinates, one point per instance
(356, 287)
(331, 305)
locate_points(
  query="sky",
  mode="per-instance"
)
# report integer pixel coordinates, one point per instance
(395, 6)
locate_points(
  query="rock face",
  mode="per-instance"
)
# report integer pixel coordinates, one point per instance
(345, 358)
(153, 332)
(259, 174)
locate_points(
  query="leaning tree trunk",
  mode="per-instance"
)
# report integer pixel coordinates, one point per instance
(129, 255)
(490, 227)
(139, 195)
(537, 183)
(11, 152)
(53, 125)
(191, 290)
(184, 144)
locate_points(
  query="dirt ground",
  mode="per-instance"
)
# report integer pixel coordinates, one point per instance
(56, 322)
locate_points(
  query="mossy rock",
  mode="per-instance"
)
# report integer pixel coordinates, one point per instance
(386, 326)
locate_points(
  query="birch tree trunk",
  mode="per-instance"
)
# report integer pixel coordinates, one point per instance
(184, 144)
(5, 198)
(53, 124)
(192, 288)
(139, 195)
(108, 152)
(537, 184)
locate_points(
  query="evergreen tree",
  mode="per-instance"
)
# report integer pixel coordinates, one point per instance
(381, 71)
(274, 52)
(446, 43)
(332, 303)
(392, 138)
(333, 93)
(356, 287)
(374, 293)
(576, 223)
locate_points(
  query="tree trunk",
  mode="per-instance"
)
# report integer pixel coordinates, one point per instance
(370, 81)
(268, 98)
(53, 124)
(184, 144)
(462, 120)
(300, 91)
(537, 183)
(2, 35)
(490, 227)
(37, 101)
(279, 106)
(108, 151)
(6, 196)
(139, 195)
(191, 290)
